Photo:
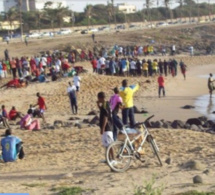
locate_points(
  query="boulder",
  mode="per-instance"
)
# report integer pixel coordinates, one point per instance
(197, 179)
(210, 123)
(194, 121)
(168, 161)
(58, 123)
(187, 126)
(194, 128)
(158, 124)
(74, 118)
(194, 165)
(93, 112)
(86, 121)
(136, 110)
(149, 124)
(177, 124)
(206, 172)
(95, 121)
(167, 125)
(188, 107)
(203, 119)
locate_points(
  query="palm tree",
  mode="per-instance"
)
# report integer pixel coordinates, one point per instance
(109, 12)
(181, 2)
(50, 14)
(61, 12)
(88, 14)
(148, 4)
(167, 3)
(11, 16)
(114, 11)
(38, 15)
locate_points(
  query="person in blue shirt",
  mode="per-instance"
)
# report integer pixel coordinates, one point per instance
(11, 147)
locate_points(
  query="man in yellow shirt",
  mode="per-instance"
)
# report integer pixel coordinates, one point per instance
(145, 68)
(126, 94)
(155, 67)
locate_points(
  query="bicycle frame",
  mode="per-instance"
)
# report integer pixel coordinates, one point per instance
(129, 142)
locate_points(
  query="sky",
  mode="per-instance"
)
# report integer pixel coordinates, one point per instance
(79, 5)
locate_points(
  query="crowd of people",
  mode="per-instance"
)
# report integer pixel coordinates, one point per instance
(136, 67)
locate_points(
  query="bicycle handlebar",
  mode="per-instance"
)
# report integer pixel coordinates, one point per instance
(137, 124)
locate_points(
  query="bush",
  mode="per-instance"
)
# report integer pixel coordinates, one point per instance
(149, 189)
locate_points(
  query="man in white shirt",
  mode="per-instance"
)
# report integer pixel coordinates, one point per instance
(77, 80)
(71, 91)
(102, 64)
(133, 67)
(58, 65)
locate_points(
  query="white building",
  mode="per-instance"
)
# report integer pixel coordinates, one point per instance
(32, 5)
(126, 8)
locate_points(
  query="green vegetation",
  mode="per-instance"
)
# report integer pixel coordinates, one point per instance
(107, 14)
(32, 185)
(149, 189)
(196, 193)
(68, 190)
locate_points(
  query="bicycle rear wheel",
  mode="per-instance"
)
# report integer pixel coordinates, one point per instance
(155, 149)
(118, 156)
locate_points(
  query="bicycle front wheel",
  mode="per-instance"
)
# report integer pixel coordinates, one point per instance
(118, 156)
(155, 149)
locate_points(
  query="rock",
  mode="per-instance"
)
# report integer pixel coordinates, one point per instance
(51, 127)
(203, 118)
(167, 125)
(206, 172)
(194, 121)
(136, 110)
(168, 161)
(188, 107)
(194, 165)
(147, 81)
(86, 121)
(194, 128)
(213, 112)
(210, 123)
(148, 124)
(177, 124)
(93, 112)
(158, 124)
(95, 121)
(144, 111)
(58, 123)
(197, 179)
(78, 125)
(74, 118)
(67, 176)
(187, 126)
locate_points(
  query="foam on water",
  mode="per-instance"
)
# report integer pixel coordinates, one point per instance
(206, 106)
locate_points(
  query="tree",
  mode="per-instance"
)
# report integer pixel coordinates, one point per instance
(148, 4)
(61, 12)
(168, 9)
(11, 16)
(50, 14)
(88, 14)
(181, 2)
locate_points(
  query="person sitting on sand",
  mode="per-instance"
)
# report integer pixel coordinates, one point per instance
(210, 84)
(15, 83)
(28, 123)
(13, 114)
(11, 147)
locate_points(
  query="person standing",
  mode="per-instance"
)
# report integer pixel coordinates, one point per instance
(105, 121)
(210, 84)
(115, 105)
(6, 54)
(71, 91)
(13, 67)
(93, 37)
(77, 80)
(11, 147)
(161, 85)
(126, 94)
(42, 106)
(26, 40)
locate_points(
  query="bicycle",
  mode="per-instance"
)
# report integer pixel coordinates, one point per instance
(120, 153)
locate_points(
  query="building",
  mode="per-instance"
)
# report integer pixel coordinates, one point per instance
(9, 26)
(126, 8)
(32, 5)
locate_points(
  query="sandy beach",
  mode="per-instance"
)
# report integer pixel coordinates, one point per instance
(68, 156)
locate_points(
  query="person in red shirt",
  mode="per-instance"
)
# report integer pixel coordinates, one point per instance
(42, 106)
(161, 85)
(4, 67)
(94, 64)
(13, 114)
(65, 66)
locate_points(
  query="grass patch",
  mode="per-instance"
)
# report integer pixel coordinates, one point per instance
(32, 185)
(148, 188)
(196, 193)
(68, 190)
